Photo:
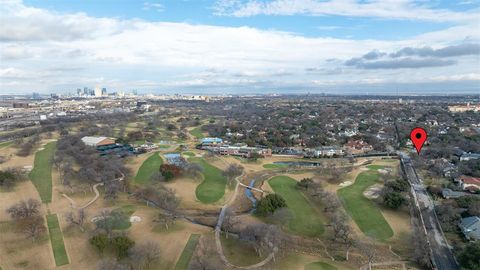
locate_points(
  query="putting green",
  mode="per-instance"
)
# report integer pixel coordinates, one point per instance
(212, 187)
(306, 220)
(365, 212)
(148, 168)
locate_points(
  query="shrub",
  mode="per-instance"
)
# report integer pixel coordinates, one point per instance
(393, 199)
(270, 203)
(99, 241)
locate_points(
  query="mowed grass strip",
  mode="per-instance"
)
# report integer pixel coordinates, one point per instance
(187, 253)
(5, 144)
(56, 238)
(197, 133)
(213, 185)
(148, 168)
(365, 212)
(41, 175)
(306, 220)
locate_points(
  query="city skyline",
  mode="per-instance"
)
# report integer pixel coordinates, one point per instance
(241, 47)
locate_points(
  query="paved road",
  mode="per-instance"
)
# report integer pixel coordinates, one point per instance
(441, 254)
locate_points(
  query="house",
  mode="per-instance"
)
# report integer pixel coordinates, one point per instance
(327, 151)
(470, 227)
(469, 183)
(450, 194)
(469, 156)
(357, 147)
(211, 141)
(97, 141)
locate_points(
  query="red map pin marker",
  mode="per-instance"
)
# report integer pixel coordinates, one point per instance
(418, 137)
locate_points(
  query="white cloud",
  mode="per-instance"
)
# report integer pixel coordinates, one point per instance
(38, 46)
(388, 9)
(153, 6)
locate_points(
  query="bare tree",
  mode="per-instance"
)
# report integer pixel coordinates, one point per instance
(232, 171)
(342, 231)
(144, 254)
(77, 219)
(368, 250)
(24, 209)
(165, 220)
(282, 216)
(33, 227)
(205, 257)
(110, 264)
(264, 238)
(229, 221)
(194, 170)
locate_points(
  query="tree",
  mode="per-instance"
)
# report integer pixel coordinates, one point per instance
(110, 264)
(143, 254)
(342, 231)
(33, 227)
(469, 256)
(77, 219)
(281, 216)
(194, 170)
(393, 199)
(264, 238)
(7, 179)
(205, 257)
(112, 188)
(232, 171)
(229, 221)
(270, 203)
(165, 220)
(369, 251)
(99, 241)
(170, 171)
(24, 209)
(157, 177)
(121, 244)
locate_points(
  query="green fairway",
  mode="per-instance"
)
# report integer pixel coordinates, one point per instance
(306, 221)
(375, 167)
(197, 132)
(41, 175)
(319, 266)
(365, 212)
(184, 260)
(164, 146)
(5, 144)
(56, 238)
(274, 166)
(149, 166)
(212, 187)
(188, 154)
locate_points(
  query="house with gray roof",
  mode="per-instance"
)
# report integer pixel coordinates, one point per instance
(470, 227)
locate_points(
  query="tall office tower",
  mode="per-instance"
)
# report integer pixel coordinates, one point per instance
(104, 91)
(98, 91)
(79, 91)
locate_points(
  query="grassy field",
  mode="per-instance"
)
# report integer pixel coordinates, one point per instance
(212, 187)
(5, 144)
(306, 220)
(56, 238)
(365, 212)
(238, 252)
(41, 175)
(375, 167)
(149, 166)
(319, 266)
(188, 154)
(197, 132)
(274, 166)
(184, 260)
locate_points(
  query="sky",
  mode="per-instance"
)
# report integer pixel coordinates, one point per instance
(241, 46)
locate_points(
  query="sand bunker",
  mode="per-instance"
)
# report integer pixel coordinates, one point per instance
(345, 184)
(135, 219)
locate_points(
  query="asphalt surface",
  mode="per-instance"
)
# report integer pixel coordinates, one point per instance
(442, 256)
